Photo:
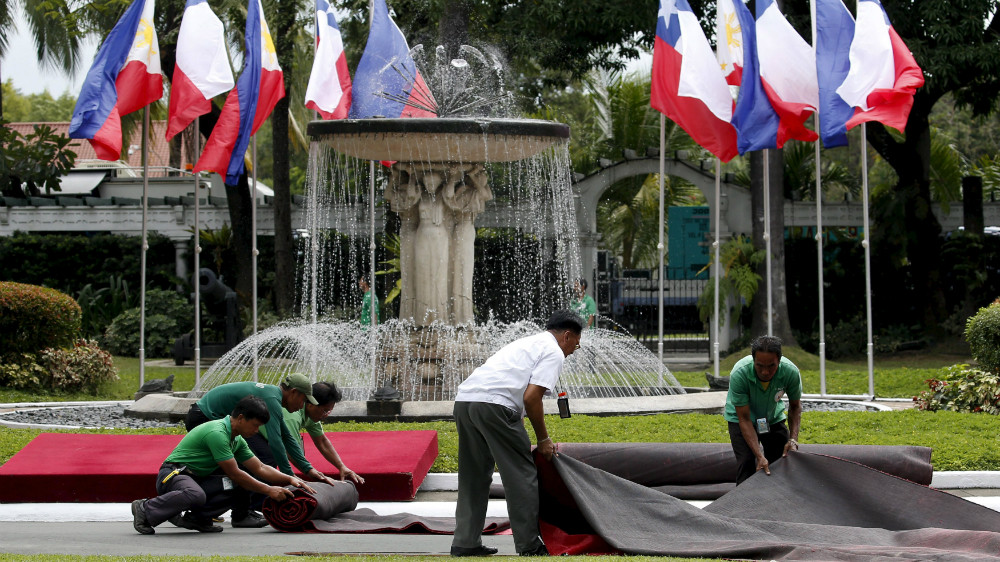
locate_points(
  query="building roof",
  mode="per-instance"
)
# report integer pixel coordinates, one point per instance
(159, 150)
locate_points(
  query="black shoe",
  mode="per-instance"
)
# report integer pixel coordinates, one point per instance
(540, 551)
(188, 521)
(480, 550)
(253, 520)
(139, 518)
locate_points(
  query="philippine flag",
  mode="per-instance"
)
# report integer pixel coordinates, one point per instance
(202, 70)
(788, 68)
(755, 120)
(688, 86)
(125, 77)
(260, 86)
(882, 74)
(329, 90)
(834, 32)
(387, 82)
(729, 36)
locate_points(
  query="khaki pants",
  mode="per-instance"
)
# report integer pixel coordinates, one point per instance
(491, 435)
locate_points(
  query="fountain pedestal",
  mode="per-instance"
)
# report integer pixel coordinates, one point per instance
(437, 204)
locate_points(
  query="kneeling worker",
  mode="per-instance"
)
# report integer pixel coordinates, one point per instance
(311, 419)
(754, 409)
(202, 475)
(489, 414)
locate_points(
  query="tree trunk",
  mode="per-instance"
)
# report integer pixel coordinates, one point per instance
(175, 154)
(284, 251)
(917, 244)
(239, 200)
(779, 313)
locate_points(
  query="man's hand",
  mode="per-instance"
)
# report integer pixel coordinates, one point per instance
(277, 493)
(792, 445)
(348, 473)
(763, 464)
(301, 484)
(547, 448)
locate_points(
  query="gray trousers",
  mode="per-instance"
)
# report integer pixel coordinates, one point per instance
(491, 435)
(204, 496)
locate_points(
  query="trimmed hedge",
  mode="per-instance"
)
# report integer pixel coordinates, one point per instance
(33, 318)
(983, 334)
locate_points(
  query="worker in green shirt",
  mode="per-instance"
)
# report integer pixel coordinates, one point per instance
(755, 411)
(584, 304)
(311, 419)
(279, 446)
(202, 476)
(366, 302)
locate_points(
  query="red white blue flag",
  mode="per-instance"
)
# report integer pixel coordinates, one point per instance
(260, 86)
(125, 77)
(329, 89)
(387, 82)
(202, 70)
(879, 77)
(788, 71)
(688, 85)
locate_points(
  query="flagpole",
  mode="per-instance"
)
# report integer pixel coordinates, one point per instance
(197, 265)
(659, 246)
(767, 240)
(144, 247)
(371, 279)
(314, 269)
(253, 252)
(819, 230)
(718, 264)
(868, 260)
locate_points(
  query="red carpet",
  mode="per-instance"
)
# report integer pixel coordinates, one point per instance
(65, 467)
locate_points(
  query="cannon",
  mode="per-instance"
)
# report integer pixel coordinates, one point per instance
(220, 301)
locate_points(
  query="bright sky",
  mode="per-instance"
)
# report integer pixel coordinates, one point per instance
(21, 66)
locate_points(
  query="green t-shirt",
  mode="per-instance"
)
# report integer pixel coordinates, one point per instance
(300, 421)
(366, 309)
(209, 444)
(220, 401)
(764, 399)
(585, 307)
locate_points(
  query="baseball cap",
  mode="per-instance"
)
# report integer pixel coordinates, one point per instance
(301, 383)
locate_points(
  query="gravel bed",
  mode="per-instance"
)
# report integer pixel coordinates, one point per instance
(90, 416)
(836, 407)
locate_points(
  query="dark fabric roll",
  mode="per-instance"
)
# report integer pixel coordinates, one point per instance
(293, 515)
(783, 516)
(367, 521)
(684, 464)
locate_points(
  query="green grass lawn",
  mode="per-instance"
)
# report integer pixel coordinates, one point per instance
(960, 441)
(122, 389)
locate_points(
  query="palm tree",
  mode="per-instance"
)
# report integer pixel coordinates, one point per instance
(800, 174)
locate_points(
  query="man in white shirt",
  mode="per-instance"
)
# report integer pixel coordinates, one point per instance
(489, 412)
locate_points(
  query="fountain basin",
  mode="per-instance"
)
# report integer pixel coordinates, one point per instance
(439, 140)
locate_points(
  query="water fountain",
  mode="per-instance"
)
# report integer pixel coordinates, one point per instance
(439, 180)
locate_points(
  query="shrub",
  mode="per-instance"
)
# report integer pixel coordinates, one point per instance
(33, 318)
(85, 366)
(172, 305)
(122, 336)
(962, 389)
(983, 334)
(22, 371)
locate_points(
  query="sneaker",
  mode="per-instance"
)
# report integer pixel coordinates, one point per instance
(540, 551)
(480, 550)
(253, 520)
(188, 521)
(139, 518)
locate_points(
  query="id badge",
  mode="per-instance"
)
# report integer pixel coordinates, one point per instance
(762, 426)
(227, 484)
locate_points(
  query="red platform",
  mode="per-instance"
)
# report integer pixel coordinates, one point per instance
(66, 467)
